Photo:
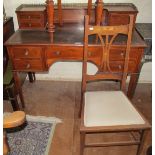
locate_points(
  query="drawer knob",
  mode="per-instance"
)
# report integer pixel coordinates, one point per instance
(29, 24)
(57, 53)
(29, 17)
(26, 52)
(28, 66)
(119, 66)
(122, 54)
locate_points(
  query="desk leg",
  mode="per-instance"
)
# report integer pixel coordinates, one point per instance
(13, 98)
(132, 85)
(133, 82)
(19, 87)
(31, 76)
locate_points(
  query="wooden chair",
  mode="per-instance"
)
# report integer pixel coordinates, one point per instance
(109, 111)
(11, 121)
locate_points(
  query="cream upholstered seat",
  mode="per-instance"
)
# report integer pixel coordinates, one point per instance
(109, 108)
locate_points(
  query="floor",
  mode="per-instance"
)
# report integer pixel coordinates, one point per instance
(62, 99)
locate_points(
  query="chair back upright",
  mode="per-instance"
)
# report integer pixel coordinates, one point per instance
(105, 37)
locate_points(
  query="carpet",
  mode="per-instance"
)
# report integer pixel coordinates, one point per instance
(32, 138)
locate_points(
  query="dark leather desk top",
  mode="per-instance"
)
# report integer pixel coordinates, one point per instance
(67, 34)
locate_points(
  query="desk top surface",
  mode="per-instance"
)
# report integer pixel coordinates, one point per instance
(145, 29)
(67, 34)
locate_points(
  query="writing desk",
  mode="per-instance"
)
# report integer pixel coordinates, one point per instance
(37, 50)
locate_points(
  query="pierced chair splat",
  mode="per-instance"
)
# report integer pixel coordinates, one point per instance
(109, 111)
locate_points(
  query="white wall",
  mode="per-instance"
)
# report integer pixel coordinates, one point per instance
(72, 70)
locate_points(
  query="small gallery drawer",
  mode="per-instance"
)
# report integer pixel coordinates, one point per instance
(31, 16)
(26, 52)
(24, 16)
(26, 65)
(118, 18)
(30, 25)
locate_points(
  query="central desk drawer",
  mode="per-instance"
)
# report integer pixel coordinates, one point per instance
(26, 52)
(64, 52)
(28, 65)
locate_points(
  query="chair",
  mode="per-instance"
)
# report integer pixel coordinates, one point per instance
(109, 111)
(12, 120)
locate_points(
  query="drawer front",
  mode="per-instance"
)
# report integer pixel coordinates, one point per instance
(119, 54)
(118, 18)
(29, 16)
(28, 65)
(30, 25)
(26, 52)
(68, 52)
(117, 66)
(64, 52)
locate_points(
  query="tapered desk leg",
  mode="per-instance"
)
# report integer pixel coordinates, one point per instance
(31, 76)
(19, 87)
(132, 85)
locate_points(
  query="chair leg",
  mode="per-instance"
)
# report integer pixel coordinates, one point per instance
(13, 99)
(15, 104)
(18, 87)
(82, 142)
(140, 150)
(5, 144)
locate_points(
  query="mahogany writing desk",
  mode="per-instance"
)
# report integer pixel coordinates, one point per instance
(37, 50)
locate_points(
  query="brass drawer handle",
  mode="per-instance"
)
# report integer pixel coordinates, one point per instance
(26, 52)
(29, 17)
(57, 53)
(29, 24)
(28, 66)
(120, 67)
(122, 54)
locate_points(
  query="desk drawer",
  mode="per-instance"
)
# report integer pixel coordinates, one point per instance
(119, 54)
(29, 16)
(64, 52)
(26, 52)
(118, 66)
(31, 25)
(28, 65)
(122, 18)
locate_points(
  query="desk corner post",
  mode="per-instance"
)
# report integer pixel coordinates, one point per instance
(98, 12)
(50, 15)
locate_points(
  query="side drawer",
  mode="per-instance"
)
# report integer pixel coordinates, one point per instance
(28, 16)
(119, 18)
(26, 52)
(119, 54)
(28, 65)
(30, 25)
(118, 66)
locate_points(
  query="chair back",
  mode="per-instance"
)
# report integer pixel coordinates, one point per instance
(105, 38)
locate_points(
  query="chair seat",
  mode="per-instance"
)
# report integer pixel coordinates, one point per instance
(109, 108)
(14, 119)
